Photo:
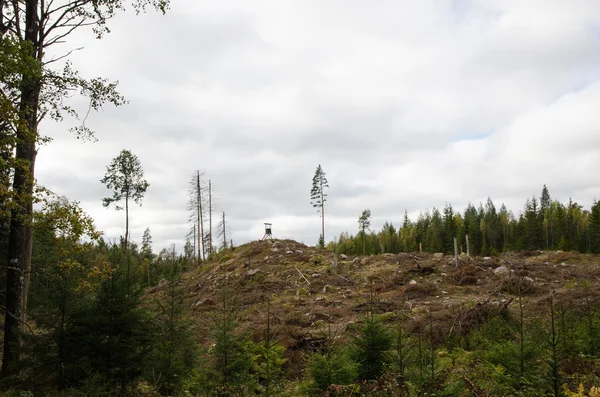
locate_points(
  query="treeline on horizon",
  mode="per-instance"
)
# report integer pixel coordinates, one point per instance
(543, 224)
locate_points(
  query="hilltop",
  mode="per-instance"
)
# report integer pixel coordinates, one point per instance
(307, 287)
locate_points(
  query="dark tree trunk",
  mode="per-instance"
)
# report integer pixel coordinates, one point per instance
(21, 211)
(28, 251)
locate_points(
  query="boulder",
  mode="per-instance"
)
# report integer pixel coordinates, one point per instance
(438, 255)
(289, 252)
(252, 272)
(487, 258)
(299, 252)
(274, 249)
(501, 270)
(412, 282)
(342, 256)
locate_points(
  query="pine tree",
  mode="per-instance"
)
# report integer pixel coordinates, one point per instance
(125, 176)
(364, 222)
(318, 197)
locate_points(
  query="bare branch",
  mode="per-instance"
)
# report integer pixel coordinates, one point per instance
(57, 39)
(62, 56)
(70, 7)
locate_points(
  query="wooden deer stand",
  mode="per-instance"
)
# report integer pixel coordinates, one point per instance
(268, 232)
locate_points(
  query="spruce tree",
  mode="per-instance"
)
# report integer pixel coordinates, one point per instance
(232, 358)
(331, 365)
(370, 348)
(449, 229)
(545, 215)
(174, 349)
(594, 227)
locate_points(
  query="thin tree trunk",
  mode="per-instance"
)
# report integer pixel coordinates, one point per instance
(322, 214)
(20, 213)
(224, 233)
(126, 250)
(200, 220)
(195, 252)
(210, 240)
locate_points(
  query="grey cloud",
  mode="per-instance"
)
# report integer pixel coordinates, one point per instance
(385, 98)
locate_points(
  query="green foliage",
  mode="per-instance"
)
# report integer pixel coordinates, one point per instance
(232, 357)
(332, 365)
(370, 348)
(268, 364)
(174, 349)
(125, 177)
(113, 334)
(331, 368)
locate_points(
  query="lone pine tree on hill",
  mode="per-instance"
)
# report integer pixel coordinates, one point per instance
(125, 176)
(364, 222)
(318, 198)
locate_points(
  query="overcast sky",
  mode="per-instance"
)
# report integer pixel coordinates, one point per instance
(405, 104)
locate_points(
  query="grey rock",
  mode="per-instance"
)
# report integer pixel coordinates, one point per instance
(487, 258)
(289, 252)
(412, 282)
(501, 270)
(252, 272)
(438, 255)
(299, 252)
(274, 249)
(342, 256)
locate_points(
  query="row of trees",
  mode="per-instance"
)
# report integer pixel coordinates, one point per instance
(543, 224)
